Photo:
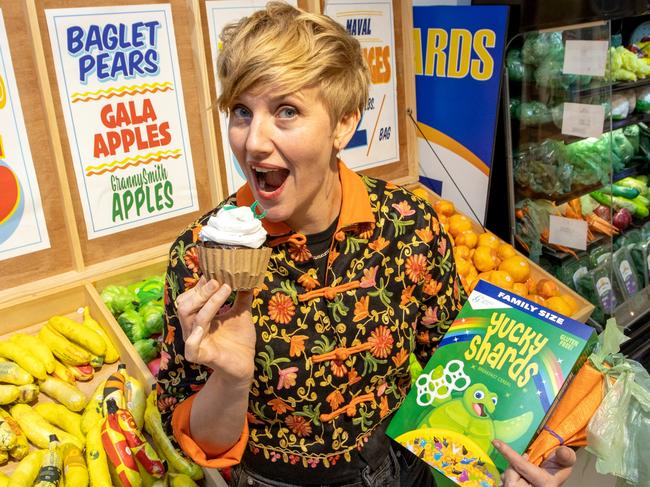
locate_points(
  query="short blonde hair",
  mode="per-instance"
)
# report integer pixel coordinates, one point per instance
(290, 49)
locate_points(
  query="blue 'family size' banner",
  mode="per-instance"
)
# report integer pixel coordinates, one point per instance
(458, 56)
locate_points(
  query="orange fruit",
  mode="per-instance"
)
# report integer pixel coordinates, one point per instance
(535, 298)
(458, 224)
(547, 288)
(442, 219)
(468, 238)
(444, 207)
(505, 251)
(471, 275)
(484, 258)
(571, 302)
(517, 266)
(463, 266)
(421, 193)
(501, 279)
(559, 305)
(461, 251)
(520, 289)
(488, 239)
(531, 284)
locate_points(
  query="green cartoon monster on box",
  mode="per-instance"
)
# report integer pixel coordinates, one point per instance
(471, 416)
(495, 375)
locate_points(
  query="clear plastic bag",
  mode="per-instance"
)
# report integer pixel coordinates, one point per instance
(619, 431)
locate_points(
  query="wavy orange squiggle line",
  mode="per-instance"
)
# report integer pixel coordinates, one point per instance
(119, 95)
(137, 163)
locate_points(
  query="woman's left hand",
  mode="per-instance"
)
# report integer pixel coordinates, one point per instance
(521, 473)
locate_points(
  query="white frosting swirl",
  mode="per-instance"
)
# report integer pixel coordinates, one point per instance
(234, 226)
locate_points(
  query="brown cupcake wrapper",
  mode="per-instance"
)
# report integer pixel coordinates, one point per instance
(240, 268)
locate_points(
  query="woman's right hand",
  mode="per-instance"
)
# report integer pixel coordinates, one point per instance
(225, 341)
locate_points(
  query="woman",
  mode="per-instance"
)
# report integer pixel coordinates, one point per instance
(296, 384)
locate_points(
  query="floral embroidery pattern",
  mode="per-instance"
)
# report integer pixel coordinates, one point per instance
(331, 367)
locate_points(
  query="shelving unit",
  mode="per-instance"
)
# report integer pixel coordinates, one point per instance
(524, 135)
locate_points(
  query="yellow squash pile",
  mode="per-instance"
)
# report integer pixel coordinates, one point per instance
(77, 441)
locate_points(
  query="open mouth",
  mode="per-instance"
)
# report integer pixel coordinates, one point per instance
(479, 409)
(270, 180)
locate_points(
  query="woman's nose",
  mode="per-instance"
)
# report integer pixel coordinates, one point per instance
(258, 139)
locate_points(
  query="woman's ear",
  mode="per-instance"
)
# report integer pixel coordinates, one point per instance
(345, 129)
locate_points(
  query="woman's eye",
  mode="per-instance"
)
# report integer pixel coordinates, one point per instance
(287, 112)
(240, 112)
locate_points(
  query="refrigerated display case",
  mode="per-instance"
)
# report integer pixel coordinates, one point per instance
(578, 151)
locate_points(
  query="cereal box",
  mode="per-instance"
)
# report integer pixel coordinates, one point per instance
(495, 375)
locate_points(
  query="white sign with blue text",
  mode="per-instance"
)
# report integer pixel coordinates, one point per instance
(122, 98)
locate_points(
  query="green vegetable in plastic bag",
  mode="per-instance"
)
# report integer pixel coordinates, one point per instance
(549, 75)
(118, 298)
(590, 160)
(152, 315)
(631, 132)
(133, 325)
(543, 168)
(515, 108)
(515, 65)
(147, 348)
(538, 47)
(534, 113)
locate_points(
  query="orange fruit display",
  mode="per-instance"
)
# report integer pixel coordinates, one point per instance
(501, 279)
(444, 207)
(468, 238)
(517, 266)
(463, 267)
(535, 298)
(556, 303)
(485, 259)
(520, 289)
(505, 250)
(421, 193)
(457, 224)
(488, 239)
(546, 288)
(571, 302)
(460, 251)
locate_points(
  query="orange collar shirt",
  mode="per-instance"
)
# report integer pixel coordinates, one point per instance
(332, 361)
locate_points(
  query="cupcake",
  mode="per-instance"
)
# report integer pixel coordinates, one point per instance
(231, 247)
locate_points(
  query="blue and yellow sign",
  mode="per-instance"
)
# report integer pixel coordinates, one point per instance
(458, 57)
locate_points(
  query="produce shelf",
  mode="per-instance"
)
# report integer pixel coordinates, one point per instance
(538, 133)
(577, 95)
(580, 190)
(615, 87)
(561, 256)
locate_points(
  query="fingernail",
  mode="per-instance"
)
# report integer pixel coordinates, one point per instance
(226, 289)
(212, 285)
(497, 443)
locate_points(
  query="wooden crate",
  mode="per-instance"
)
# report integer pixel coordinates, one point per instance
(585, 308)
(30, 313)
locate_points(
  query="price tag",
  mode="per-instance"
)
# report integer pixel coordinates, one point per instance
(583, 120)
(568, 232)
(585, 57)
